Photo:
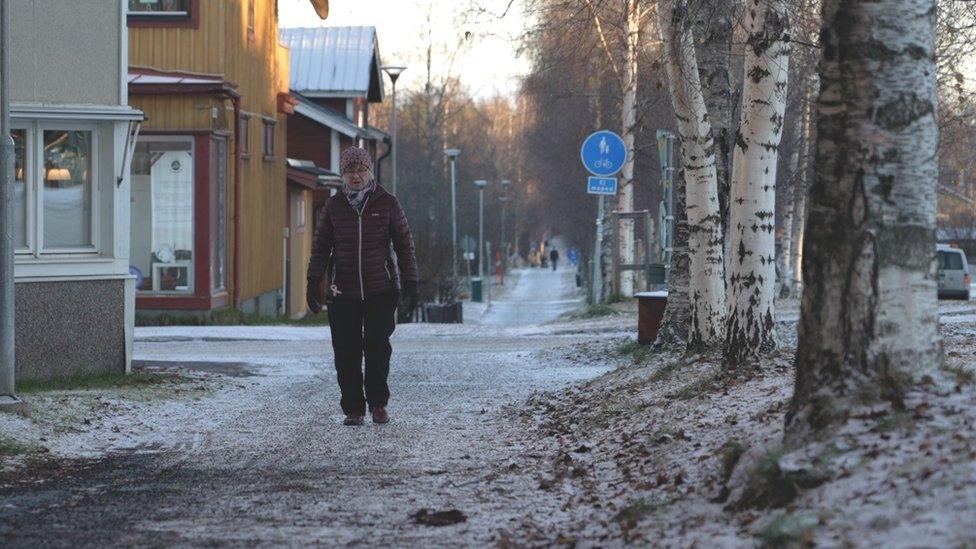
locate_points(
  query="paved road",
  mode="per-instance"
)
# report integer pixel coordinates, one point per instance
(539, 295)
(268, 463)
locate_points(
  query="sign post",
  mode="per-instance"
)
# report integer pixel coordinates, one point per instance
(665, 149)
(603, 154)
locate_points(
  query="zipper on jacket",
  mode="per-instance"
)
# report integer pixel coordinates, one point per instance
(362, 287)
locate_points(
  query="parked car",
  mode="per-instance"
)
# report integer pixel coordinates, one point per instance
(953, 273)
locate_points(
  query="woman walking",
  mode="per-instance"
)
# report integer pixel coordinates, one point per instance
(354, 242)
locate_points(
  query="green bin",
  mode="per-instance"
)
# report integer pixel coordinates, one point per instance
(476, 295)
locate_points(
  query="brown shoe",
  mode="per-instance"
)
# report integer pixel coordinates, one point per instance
(380, 415)
(353, 418)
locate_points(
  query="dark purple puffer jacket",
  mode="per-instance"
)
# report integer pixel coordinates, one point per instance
(356, 248)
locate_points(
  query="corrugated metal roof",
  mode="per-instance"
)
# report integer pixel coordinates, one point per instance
(335, 61)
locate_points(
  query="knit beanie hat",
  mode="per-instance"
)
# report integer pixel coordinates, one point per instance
(354, 156)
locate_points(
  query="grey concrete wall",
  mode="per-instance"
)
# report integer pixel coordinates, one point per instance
(264, 304)
(65, 51)
(70, 328)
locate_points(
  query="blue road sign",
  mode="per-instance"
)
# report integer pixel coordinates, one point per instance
(601, 185)
(603, 153)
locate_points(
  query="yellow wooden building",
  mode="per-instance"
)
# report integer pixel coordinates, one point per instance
(208, 176)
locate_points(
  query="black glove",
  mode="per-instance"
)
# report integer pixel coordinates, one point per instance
(312, 297)
(411, 294)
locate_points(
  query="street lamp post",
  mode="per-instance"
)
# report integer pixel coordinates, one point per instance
(504, 243)
(481, 184)
(452, 154)
(7, 356)
(393, 72)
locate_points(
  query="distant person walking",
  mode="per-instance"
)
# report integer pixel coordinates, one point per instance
(554, 258)
(352, 245)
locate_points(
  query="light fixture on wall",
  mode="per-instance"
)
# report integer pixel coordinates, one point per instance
(57, 174)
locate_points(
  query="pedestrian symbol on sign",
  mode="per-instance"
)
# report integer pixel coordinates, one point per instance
(603, 153)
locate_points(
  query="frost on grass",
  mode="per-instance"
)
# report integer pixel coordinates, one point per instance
(673, 451)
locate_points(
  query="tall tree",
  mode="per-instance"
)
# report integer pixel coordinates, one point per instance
(869, 316)
(752, 217)
(706, 265)
(632, 20)
(713, 29)
(673, 332)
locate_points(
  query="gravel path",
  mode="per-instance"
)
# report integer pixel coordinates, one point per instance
(266, 461)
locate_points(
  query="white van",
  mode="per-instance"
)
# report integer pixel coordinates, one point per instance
(953, 272)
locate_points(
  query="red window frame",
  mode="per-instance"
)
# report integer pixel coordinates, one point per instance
(245, 136)
(268, 139)
(189, 21)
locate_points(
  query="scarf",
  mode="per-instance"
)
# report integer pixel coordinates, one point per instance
(358, 198)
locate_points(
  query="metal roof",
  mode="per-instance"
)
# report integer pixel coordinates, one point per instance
(335, 61)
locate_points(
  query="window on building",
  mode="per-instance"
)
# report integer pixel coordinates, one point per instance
(67, 191)
(21, 194)
(268, 142)
(300, 215)
(250, 20)
(162, 214)
(164, 13)
(245, 136)
(55, 198)
(160, 8)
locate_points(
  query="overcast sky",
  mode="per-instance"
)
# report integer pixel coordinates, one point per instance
(487, 66)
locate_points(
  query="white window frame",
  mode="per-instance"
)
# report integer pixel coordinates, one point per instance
(191, 282)
(39, 128)
(184, 13)
(29, 184)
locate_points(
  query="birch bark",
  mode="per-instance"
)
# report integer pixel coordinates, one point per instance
(713, 29)
(629, 117)
(673, 332)
(753, 271)
(706, 267)
(869, 317)
(799, 206)
(784, 275)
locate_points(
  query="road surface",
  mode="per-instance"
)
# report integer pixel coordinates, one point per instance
(539, 295)
(268, 462)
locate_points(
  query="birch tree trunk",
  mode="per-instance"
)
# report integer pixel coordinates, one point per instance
(869, 318)
(752, 281)
(713, 28)
(784, 276)
(629, 117)
(706, 266)
(673, 332)
(799, 206)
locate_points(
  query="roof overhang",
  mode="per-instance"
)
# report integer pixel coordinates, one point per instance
(372, 133)
(333, 94)
(143, 81)
(321, 8)
(326, 117)
(305, 173)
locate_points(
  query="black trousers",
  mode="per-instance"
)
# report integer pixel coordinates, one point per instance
(362, 329)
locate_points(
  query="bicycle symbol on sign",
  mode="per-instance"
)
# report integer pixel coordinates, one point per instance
(603, 163)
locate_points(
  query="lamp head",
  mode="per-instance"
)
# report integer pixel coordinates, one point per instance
(480, 183)
(452, 153)
(393, 71)
(506, 183)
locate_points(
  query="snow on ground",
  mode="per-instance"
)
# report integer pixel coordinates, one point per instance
(639, 456)
(512, 426)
